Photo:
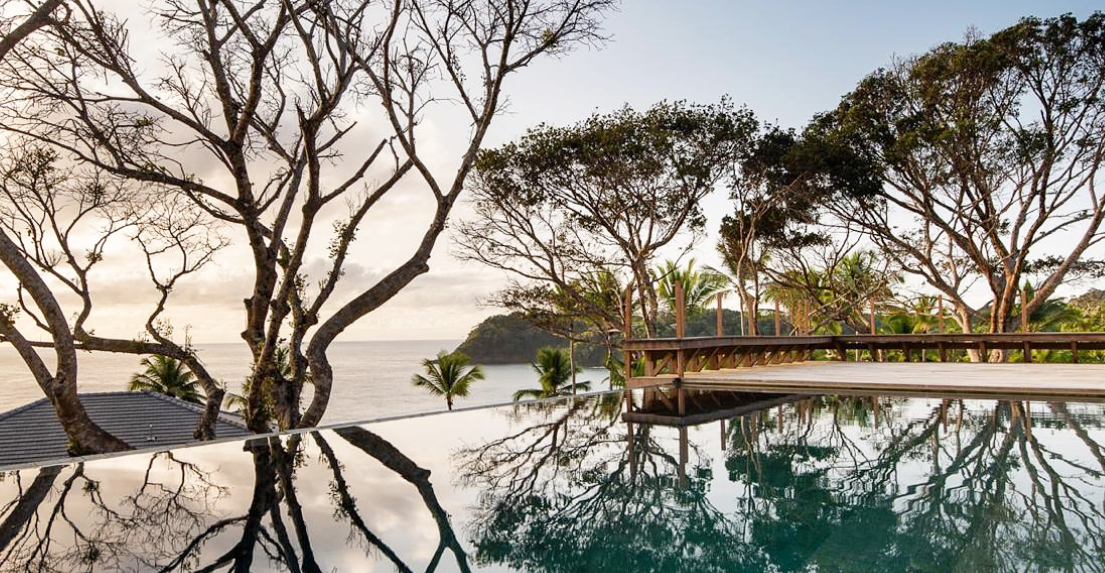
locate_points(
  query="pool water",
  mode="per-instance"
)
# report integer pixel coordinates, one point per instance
(740, 482)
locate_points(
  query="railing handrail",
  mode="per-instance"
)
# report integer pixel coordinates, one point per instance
(1044, 336)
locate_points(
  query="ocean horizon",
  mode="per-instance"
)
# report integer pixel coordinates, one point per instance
(371, 378)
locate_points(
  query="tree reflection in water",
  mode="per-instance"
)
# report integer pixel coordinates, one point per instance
(821, 484)
(60, 521)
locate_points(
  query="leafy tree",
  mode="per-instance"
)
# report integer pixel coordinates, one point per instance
(554, 372)
(775, 210)
(168, 376)
(984, 150)
(563, 203)
(449, 375)
(1050, 315)
(833, 288)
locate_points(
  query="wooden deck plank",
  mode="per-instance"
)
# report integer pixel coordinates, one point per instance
(956, 377)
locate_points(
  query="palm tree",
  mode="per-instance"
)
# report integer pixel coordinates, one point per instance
(699, 287)
(236, 402)
(554, 371)
(168, 376)
(1050, 316)
(449, 375)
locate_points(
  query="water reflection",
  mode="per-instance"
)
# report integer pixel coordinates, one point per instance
(738, 482)
(810, 484)
(61, 521)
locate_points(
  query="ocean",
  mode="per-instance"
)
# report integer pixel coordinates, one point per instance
(371, 379)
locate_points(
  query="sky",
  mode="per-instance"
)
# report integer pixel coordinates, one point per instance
(785, 60)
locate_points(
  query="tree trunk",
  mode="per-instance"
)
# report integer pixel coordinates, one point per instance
(753, 315)
(964, 320)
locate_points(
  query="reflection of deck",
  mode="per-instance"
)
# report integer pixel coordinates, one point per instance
(1005, 379)
(702, 406)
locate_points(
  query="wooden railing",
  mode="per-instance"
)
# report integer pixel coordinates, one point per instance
(679, 355)
(672, 358)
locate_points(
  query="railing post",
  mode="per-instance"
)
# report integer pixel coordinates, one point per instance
(680, 310)
(1024, 310)
(1027, 349)
(627, 333)
(874, 328)
(778, 321)
(720, 319)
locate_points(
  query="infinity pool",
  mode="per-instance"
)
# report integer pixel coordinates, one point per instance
(741, 482)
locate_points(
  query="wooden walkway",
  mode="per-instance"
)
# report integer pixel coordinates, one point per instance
(961, 378)
(781, 364)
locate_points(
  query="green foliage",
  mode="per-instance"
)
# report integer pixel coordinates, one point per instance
(640, 164)
(282, 372)
(168, 376)
(840, 294)
(448, 375)
(705, 323)
(699, 286)
(942, 141)
(554, 373)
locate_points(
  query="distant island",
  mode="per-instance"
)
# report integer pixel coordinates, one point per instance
(511, 339)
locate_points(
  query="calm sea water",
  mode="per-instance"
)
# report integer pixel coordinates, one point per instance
(371, 379)
(746, 484)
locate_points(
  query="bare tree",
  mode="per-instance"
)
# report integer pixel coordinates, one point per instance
(63, 220)
(270, 94)
(39, 16)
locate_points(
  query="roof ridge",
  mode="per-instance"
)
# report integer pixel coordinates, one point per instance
(44, 400)
(222, 415)
(23, 408)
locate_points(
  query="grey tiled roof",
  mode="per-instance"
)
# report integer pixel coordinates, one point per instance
(31, 433)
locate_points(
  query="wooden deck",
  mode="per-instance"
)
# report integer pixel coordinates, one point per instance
(961, 378)
(782, 364)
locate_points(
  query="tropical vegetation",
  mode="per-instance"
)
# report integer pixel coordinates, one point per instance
(449, 376)
(168, 376)
(700, 286)
(555, 374)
